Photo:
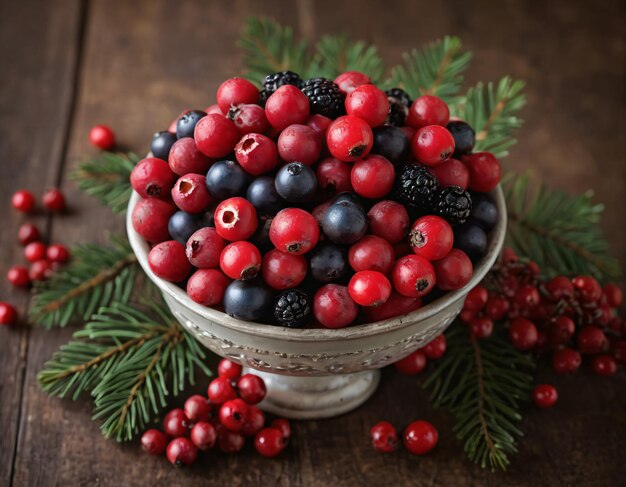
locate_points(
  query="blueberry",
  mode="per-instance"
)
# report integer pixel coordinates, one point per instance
(182, 225)
(161, 144)
(187, 123)
(261, 238)
(392, 143)
(471, 239)
(263, 196)
(226, 179)
(296, 182)
(250, 300)
(351, 198)
(344, 223)
(484, 211)
(464, 137)
(328, 263)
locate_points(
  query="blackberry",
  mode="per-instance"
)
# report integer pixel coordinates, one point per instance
(263, 96)
(276, 80)
(452, 203)
(414, 186)
(324, 97)
(399, 104)
(292, 308)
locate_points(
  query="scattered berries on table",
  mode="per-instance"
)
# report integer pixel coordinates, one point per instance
(23, 201)
(420, 437)
(384, 437)
(102, 137)
(545, 396)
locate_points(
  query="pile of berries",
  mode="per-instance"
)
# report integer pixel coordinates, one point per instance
(419, 437)
(225, 418)
(315, 202)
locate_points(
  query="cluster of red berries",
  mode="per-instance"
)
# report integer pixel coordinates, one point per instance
(311, 201)
(419, 437)
(225, 418)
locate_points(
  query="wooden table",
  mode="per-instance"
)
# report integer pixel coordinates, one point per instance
(67, 65)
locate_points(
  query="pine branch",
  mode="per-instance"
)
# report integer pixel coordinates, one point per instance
(337, 54)
(492, 113)
(483, 384)
(130, 361)
(107, 177)
(437, 69)
(97, 276)
(269, 47)
(560, 232)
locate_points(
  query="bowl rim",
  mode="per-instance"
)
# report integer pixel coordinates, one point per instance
(496, 240)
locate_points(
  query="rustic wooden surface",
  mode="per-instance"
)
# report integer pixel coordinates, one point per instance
(67, 65)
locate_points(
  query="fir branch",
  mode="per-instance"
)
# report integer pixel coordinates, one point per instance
(130, 361)
(337, 54)
(107, 177)
(269, 47)
(483, 384)
(97, 276)
(560, 232)
(437, 69)
(492, 113)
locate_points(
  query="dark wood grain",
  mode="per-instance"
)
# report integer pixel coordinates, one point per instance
(143, 62)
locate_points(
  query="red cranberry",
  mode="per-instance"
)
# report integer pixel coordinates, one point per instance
(320, 124)
(604, 365)
(185, 158)
(35, 251)
(229, 441)
(527, 297)
(53, 200)
(333, 176)
(453, 271)
(431, 237)
(240, 260)
(350, 80)
(349, 138)
(333, 307)
(221, 390)
(283, 271)
(369, 103)
(207, 286)
(299, 143)
(384, 437)
(102, 137)
(566, 360)
(561, 330)
(190, 193)
(286, 106)
(481, 327)
(476, 299)
(420, 437)
(57, 253)
(451, 173)
(181, 451)
(269, 442)
(229, 369)
(28, 233)
(523, 334)
(40, 270)
(204, 248)
(484, 169)
(591, 339)
(432, 145)
(497, 307)
(203, 435)
(215, 136)
(389, 220)
(18, 276)
(168, 261)
(254, 422)
(587, 288)
(233, 414)
(8, 314)
(412, 364)
(235, 219)
(396, 305)
(369, 288)
(176, 423)
(436, 348)
(613, 295)
(150, 219)
(249, 118)
(251, 388)
(215, 108)
(283, 426)
(294, 231)
(428, 110)
(153, 442)
(545, 395)
(235, 91)
(197, 408)
(371, 253)
(23, 201)
(152, 178)
(372, 177)
(413, 276)
(257, 154)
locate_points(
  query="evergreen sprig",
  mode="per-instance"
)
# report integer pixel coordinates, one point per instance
(337, 54)
(483, 384)
(437, 69)
(492, 110)
(107, 177)
(131, 361)
(559, 231)
(97, 276)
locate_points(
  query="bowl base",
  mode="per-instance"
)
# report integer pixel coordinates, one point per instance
(316, 397)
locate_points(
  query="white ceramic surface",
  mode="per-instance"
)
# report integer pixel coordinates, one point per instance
(316, 373)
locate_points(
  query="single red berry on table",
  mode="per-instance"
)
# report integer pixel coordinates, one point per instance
(286, 106)
(153, 442)
(384, 437)
(229, 441)
(251, 388)
(283, 271)
(254, 421)
(233, 414)
(372, 176)
(240, 260)
(23, 201)
(566, 360)
(185, 158)
(299, 143)
(269, 442)
(349, 138)
(396, 305)
(431, 237)
(604, 365)
(591, 339)
(235, 219)
(28, 233)
(333, 307)
(215, 136)
(40, 270)
(57, 253)
(369, 103)
(204, 248)
(35, 251)
(523, 333)
(436, 348)
(248, 118)
(203, 435)
(207, 286)
(389, 220)
(485, 171)
(432, 145)
(481, 327)
(168, 261)
(371, 253)
(420, 437)
(197, 408)
(181, 451)
(545, 395)
(152, 178)
(350, 80)
(257, 154)
(102, 137)
(588, 288)
(451, 173)
(150, 219)
(294, 231)
(53, 200)
(8, 314)
(235, 91)
(412, 364)
(283, 426)
(428, 110)
(613, 294)
(229, 369)
(453, 271)
(221, 390)
(18, 276)
(333, 176)
(476, 299)
(176, 423)
(413, 276)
